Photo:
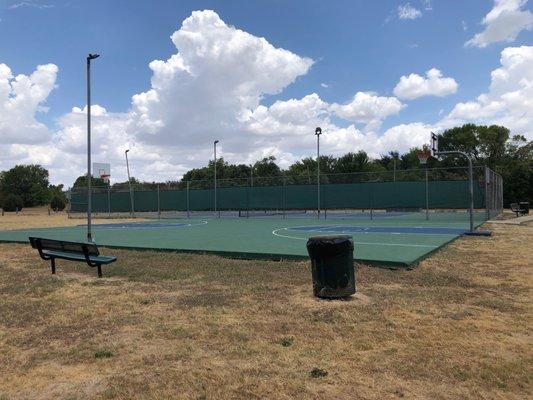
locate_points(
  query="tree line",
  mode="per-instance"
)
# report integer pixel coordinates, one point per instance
(29, 186)
(492, 146)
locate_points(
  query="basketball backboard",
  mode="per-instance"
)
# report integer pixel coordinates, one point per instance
(102, 171)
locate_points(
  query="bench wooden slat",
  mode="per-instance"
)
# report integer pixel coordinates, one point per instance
(80, 257)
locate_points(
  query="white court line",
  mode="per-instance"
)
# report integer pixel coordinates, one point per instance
(163, 225)
(275, 233)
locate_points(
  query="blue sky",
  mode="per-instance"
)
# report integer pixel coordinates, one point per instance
(356, 46)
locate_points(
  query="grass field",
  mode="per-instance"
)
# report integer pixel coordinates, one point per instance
(167, 325)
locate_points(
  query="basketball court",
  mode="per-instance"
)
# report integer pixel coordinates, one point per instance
(394, 240)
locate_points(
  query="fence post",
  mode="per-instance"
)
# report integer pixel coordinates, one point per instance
(283, 195)
(371, 201)
(248, 192)
(158, 204)
(188, 216)
(109, 201)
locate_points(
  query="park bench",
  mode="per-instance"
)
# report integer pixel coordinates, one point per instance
(520, 208)
(50, 249)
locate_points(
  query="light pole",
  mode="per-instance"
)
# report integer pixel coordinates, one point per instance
(215, 154)
(318, 132)
(132, 212)
(89, 203)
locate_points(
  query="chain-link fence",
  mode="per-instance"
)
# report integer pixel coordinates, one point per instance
(416, 190)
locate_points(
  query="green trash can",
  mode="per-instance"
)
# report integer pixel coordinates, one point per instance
(332, 266)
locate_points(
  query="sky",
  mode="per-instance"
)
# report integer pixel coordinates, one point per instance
(258, 76)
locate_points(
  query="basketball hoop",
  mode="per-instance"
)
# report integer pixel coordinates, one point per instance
(423, 156)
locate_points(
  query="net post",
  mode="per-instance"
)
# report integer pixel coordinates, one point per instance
(188, 211)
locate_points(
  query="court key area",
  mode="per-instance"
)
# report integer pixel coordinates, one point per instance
(401, 241)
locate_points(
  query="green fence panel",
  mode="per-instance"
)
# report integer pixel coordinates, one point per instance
(145, 200)
(265, 197)
(120, 202)
(343, 196)
(201, 199)
(379, 195)
(232, 198)
(173, 200)
(300, 197)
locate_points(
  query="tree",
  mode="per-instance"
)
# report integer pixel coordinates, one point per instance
(267, 167)
(12, 202)
(81, 182)
(29, 182)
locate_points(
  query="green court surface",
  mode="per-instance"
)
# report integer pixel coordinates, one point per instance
(388, 239)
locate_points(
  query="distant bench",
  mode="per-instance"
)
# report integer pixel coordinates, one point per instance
(50, 249)
(520, 208)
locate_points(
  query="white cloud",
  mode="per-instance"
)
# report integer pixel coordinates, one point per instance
(218, 75)
(434, 84)
(30, 4)
(406, 11)
(509, 101)
(503, 23)
(367, 108)
(21, 99)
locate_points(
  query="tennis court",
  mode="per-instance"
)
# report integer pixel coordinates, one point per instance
(393, 239)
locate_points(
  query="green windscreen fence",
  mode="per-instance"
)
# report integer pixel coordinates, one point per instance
(439, 194)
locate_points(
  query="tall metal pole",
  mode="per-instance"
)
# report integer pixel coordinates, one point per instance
(89, 200)
(132, 212)
(215, 154)
(471, 190)
(427, 195)
(394, 167)
(318, 132)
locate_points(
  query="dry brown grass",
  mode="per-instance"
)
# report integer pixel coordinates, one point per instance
(38, 218)
(165, 325)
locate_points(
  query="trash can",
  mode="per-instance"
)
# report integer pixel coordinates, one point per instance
(332, 266)
(524, 205)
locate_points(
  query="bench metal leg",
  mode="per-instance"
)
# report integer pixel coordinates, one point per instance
(99, 271)
(53, 261)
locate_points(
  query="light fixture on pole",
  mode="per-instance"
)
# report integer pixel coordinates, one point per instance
(215, 155)
(89, 175)
(318, 132)
(132, 211)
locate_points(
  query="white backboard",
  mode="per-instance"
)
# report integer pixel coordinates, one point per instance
(101, 170)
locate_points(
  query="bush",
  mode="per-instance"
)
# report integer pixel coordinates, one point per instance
(58, 203)
(12, 202)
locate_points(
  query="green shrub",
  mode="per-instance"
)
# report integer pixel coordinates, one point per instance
(58, 202)
(12, 202)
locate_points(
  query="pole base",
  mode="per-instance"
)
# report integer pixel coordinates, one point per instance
(478, 233)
